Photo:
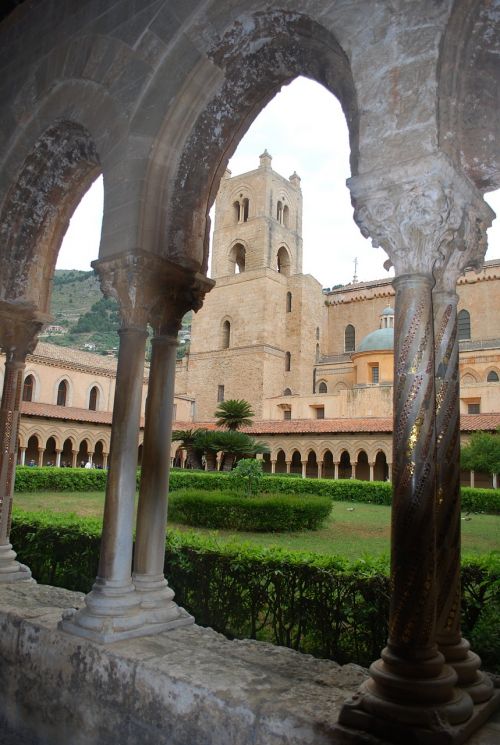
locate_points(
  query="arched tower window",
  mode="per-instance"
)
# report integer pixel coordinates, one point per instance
(28, 388)
(236, 211)
(226, 334)
(322, 388)
(93, 398)
(288, 362)
(246, 206)
(492, 377)
(350, 338)
(237, 258)
(286, 216)
(62, 393)
(288, 302)
(287, 392)
(463, 325)
(283, 261)
(279, 212)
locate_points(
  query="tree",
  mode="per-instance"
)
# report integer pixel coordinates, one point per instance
(188, 440)
(247, 474)
(482, 453)
(234, 413)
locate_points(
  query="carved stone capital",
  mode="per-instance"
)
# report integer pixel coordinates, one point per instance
(151, 289)
(20, 325)
(426, 215)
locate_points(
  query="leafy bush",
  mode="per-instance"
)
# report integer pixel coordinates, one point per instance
(59, 479)
(246, 475)
(268, 513)
(321, 605)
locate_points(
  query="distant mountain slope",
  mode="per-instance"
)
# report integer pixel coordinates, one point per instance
(83, 318)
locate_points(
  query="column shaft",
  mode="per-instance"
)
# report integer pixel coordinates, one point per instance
(10, 569)
(116, 546)
(152, 509)
(455, 649)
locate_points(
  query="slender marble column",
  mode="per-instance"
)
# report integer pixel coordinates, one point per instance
(23, 456)
(10, 569)
(273, 466)
(372, 471)
(454, 647)
(111, 608)
(336, 469)
(320, 469)
(304, 467)
(149, 555)
(19, 329)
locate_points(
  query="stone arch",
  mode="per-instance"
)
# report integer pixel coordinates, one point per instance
(36, 210)
(470, 133)
(328, 464)
(49, 456)
(345, 467)
(468, 377)
(63, 391)
(31, 387)
(236, 260)
(322, 387)
(493, 375)
(32, 448)
(257, 54)
(296, 462)
(96, 398)
(67, 451)
(226, 330)
(280, 461)
(362, 466)
(312, 464)
(283, 261)
(381, 468)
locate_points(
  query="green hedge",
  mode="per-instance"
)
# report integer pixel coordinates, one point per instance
(316, 604)
(59, 479)
(264, 513)
(341, 490)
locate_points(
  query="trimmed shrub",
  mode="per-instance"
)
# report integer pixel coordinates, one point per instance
(321, 605)
(480, 500)
(265, 513)
(59, 479)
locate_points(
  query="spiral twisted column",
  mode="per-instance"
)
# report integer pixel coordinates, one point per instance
(19, 335)
(420, 214)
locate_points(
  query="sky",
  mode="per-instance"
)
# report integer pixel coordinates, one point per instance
(304, 130)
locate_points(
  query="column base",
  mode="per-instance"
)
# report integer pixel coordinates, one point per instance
(466, 664)
(12, 570)
(114, 612)
(157, 604)
(358, 725)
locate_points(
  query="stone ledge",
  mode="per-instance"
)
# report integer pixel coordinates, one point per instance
(190, 686)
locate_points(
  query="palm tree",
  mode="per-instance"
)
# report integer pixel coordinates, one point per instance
(187, 438)
(234, 413)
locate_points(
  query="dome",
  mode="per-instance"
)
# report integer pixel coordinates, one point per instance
(388, 311)
(381, 339)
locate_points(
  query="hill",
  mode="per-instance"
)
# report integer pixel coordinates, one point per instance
(84, 319)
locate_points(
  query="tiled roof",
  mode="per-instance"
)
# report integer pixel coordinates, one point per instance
(50, 411)
(74, 356)
(485, 422)
(468, 423)
(69, 413)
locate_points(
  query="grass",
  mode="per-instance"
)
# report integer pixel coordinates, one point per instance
(352, 530)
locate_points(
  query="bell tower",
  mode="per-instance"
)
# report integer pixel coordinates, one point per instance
(256, 334)
(258, 223)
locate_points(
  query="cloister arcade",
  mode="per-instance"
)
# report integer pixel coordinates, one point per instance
(155, 96)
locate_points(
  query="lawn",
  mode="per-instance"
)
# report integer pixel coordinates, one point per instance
(351, 531)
